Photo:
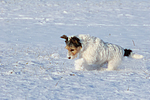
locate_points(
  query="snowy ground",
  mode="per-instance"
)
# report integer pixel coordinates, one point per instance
(33, 63)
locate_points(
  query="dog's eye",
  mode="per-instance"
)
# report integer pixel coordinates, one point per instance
(72, 50)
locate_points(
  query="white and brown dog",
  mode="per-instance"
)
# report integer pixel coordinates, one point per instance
(94, 51)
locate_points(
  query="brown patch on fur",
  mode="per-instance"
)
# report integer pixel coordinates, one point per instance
(73, 50)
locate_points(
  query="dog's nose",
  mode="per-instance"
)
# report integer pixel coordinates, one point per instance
(69, 57)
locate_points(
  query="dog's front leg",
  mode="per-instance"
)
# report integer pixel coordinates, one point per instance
(80, 64)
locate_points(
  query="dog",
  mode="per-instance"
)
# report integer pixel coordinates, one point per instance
(94, 51)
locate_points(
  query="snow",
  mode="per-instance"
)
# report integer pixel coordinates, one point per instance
(33, 62)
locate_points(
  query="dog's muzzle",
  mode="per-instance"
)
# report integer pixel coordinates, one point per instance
(69, 57)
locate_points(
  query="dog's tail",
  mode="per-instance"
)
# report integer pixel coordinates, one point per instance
(129, 53)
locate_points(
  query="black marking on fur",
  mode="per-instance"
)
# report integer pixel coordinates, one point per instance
(127, 52)
(74, 41)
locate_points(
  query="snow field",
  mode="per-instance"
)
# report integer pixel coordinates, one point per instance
(33, 63)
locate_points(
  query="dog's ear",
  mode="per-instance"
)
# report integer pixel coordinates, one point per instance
(64, 37)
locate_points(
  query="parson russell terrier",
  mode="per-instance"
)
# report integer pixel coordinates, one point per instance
(94, 51)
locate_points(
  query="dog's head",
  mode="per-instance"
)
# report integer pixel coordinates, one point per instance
(73, 45)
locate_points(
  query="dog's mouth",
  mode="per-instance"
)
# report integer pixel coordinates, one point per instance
(72, 57)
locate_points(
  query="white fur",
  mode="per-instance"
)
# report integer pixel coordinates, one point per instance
(97, 52)
(136, 56)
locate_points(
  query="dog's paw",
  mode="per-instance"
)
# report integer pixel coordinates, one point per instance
(108, 69)
(78, 68)
(111, 69)
(79, 64)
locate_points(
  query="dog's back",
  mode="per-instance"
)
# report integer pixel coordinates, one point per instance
(95, 50)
